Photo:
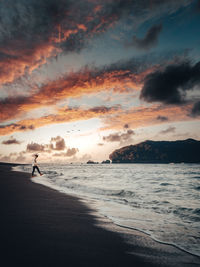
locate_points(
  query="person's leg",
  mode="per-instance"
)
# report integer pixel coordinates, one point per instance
(38, 169)
(33, 170)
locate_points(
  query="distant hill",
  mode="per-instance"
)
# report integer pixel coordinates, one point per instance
(187, 151)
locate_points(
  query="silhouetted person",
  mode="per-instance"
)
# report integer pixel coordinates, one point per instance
(35, 166)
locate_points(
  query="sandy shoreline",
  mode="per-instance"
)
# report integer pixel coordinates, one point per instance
(43, 227)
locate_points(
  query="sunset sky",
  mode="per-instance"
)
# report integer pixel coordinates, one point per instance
(82, 78)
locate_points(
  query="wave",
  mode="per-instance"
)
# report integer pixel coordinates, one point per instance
(197, 188)
(123, 193)
(165, 184)
(196, 211)
(191, 173)
(196, 177)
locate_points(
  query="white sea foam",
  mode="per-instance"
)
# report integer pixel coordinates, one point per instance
(161, 200)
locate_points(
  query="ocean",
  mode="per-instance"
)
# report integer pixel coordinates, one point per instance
(161, 200)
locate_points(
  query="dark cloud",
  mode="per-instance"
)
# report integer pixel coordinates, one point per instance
(196, 109)
(120, 137)
(162, 118)
(31, 31)
(30, 23)
(168, 130)
(35, 147)
(57, 143)
(149, 40)
(11, 141)
(170, 85)
(11, 106)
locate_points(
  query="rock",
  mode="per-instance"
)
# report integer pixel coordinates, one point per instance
(106, 161)
(92, 162)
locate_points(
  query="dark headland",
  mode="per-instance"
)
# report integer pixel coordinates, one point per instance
(42, 227)
(182, 151)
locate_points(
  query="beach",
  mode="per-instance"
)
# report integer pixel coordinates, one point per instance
(43, 227)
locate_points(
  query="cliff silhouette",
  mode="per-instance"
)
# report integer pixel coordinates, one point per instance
(187, 151)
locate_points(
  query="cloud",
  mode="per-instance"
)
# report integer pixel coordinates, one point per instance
(56, 143)
(19, 63)
(170, 85)
(147, 116)
(40, 28)
(196, 109)
(62, 115)
(162, 118)
(120, 77)
(35, 147)
(120, 137)
(11, 141)
(15, 127)
(14, 157)
(69, 153)
(86, 81)
(126, 126)
(43, 30)
(149, 40)
(168, 130)
(5, 158)
(31, 32)
(112, 118)
(21, 158)
(59, 143)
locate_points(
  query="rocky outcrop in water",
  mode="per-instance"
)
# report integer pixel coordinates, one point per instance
(92, 162)
(106, 161)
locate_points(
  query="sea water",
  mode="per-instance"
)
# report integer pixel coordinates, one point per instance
(162, 200)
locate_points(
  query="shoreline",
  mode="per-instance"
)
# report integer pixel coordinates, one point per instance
(142, 252)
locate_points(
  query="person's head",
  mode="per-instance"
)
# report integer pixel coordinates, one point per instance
(36, 155)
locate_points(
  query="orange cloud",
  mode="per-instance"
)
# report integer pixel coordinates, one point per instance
(51, 33)
(63, 115)
(113, 117)
(15, 66)
(72, 85)
(147, 116)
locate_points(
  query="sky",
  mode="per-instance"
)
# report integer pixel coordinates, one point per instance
(79, 79)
